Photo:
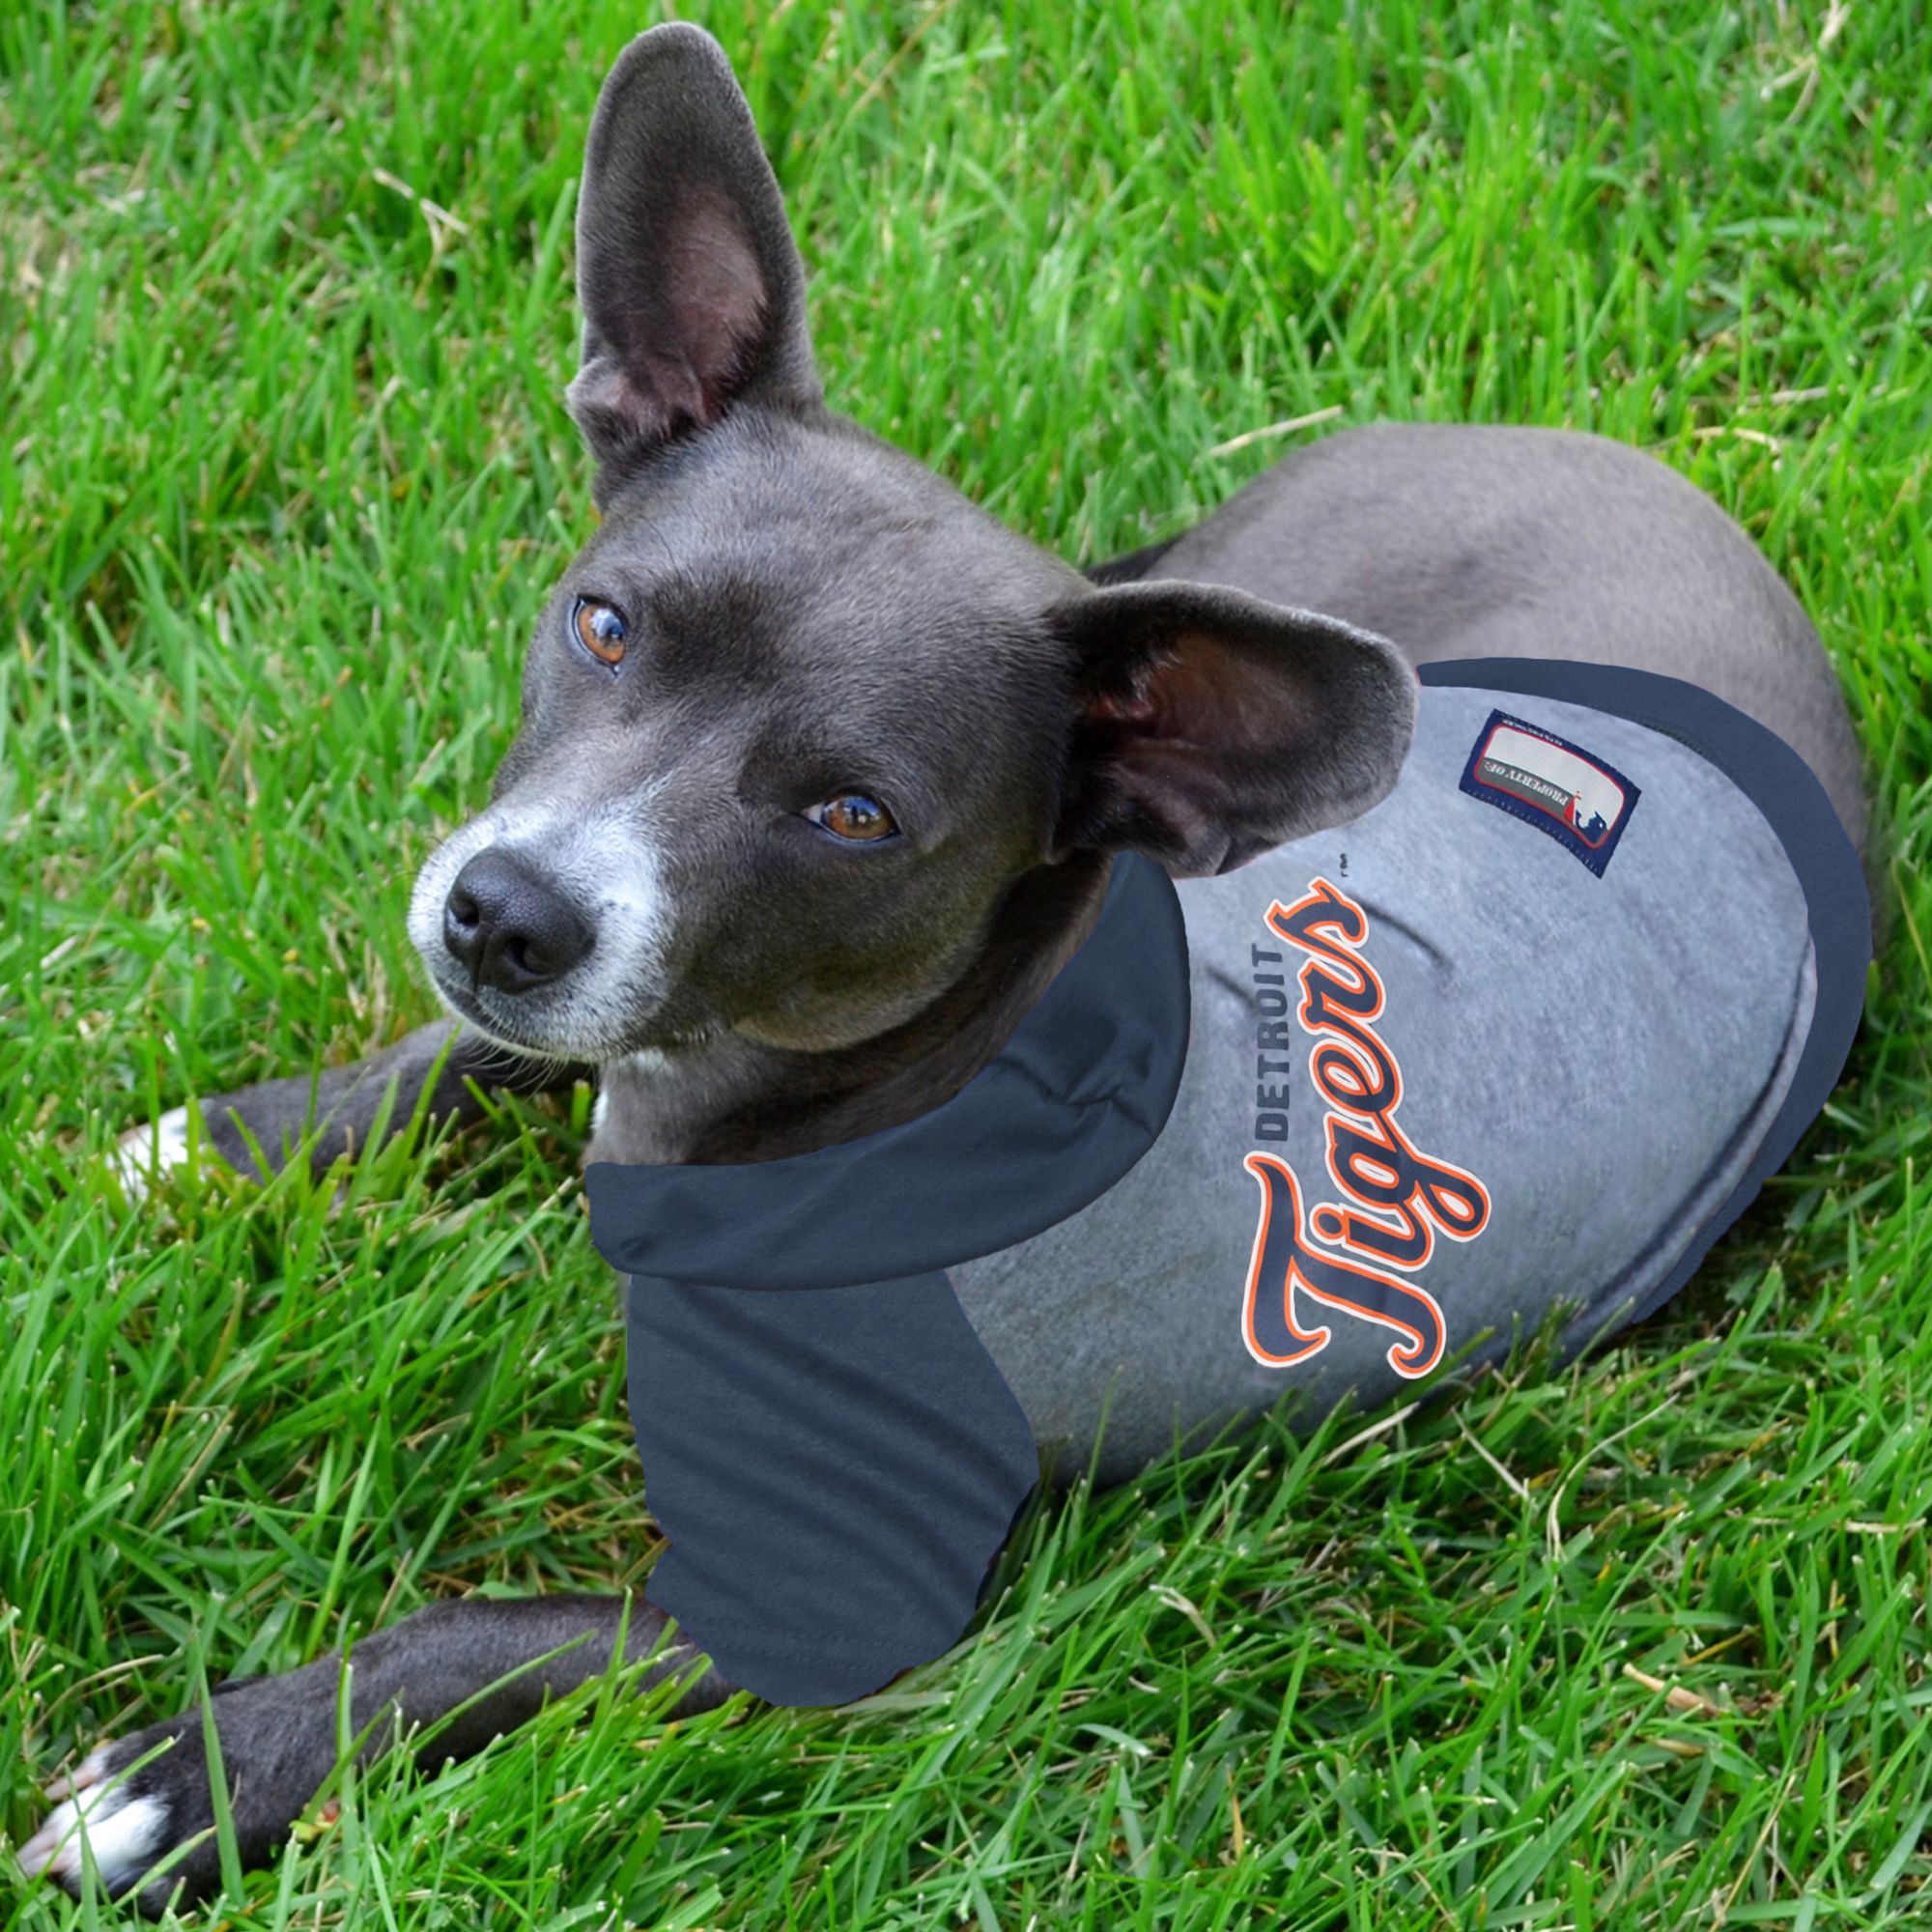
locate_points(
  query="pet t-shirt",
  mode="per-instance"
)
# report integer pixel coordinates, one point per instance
(1508, 1052)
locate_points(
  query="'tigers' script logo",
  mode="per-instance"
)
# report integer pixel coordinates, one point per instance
(1394, 1200)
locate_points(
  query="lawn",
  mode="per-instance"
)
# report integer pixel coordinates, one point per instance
(287, 305)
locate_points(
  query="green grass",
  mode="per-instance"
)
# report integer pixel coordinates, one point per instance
(285, 477)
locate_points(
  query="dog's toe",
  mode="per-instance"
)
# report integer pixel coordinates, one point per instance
(88, 1772)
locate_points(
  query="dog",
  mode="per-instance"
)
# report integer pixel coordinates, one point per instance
(794, 669)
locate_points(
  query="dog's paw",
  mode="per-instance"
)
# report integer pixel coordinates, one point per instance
(144, 1154)
(276, 1740)
(124, 1827)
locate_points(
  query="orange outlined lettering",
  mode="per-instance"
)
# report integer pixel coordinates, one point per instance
(1395, 1199)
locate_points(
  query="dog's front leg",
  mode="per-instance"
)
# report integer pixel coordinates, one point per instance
(277, 1735)
(345, 1102)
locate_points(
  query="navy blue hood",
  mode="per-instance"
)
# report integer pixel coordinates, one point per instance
(829, 1449)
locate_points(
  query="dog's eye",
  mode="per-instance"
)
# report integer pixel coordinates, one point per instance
(853, 816)
(600, 629)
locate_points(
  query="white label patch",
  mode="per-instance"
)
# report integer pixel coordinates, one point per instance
(1548, 783)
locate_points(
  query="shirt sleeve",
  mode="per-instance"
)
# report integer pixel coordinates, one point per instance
(835, 1468)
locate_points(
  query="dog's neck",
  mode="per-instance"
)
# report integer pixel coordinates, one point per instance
(737, 1100)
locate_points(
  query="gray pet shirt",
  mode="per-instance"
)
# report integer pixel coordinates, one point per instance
(1520, 1043)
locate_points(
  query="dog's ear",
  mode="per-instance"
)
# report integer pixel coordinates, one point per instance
(1209, 726)
(690, 285)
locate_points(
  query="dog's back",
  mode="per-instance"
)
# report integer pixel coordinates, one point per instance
(1464, 541)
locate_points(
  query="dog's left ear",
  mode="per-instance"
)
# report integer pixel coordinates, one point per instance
(690, 285)
(1211, 725)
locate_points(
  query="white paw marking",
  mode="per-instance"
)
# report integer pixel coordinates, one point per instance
(143, 1152)
(123, 1832)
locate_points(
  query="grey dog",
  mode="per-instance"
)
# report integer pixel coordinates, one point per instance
(778, 606)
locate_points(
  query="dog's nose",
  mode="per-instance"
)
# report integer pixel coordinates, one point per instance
(509, 927)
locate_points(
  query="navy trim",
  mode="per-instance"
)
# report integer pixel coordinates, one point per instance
(1795, 805)
(1130, 566)
(1076, 1096)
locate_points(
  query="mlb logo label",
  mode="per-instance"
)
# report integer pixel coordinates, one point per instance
(1548, 783)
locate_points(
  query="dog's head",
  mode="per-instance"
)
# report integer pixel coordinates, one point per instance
(799, 714)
